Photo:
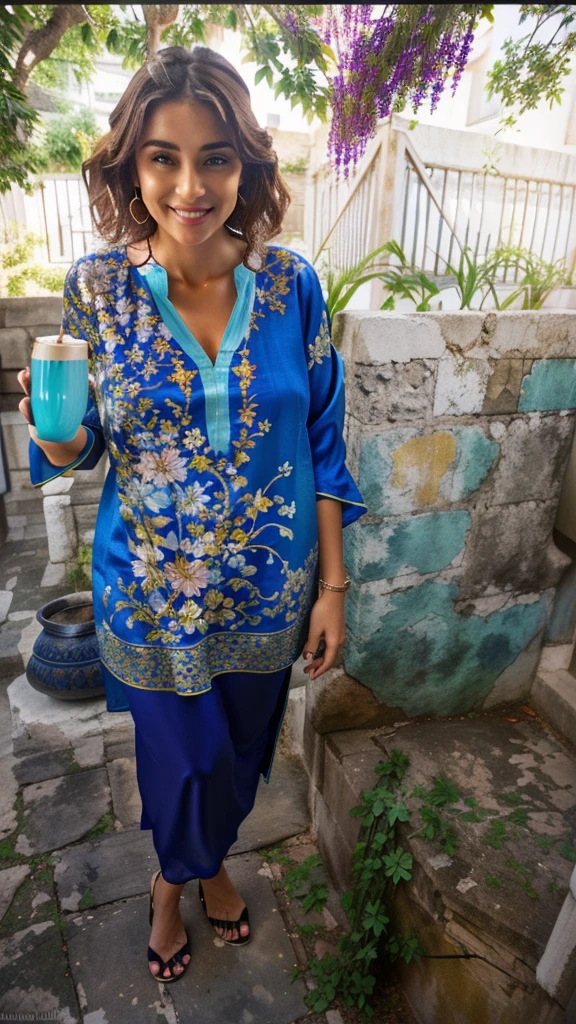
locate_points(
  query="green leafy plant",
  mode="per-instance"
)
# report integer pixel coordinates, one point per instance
(342, 286)
(379, 864)
(299, 166)
(80, 574)
(68, 141)
(20, 274)
(539, 277)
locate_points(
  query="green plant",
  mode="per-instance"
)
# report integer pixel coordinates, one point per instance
(342, 286)
(68, 141)
(539, 276)
(379, 864)
(79, 575)
(299, 166)
(17, 266)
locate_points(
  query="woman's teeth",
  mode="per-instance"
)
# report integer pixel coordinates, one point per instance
(189, 215)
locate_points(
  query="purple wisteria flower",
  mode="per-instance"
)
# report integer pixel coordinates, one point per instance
(403, 55)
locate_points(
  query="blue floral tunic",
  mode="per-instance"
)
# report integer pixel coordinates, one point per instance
(205, 556)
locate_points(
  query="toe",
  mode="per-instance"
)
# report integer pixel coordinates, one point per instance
(154, 967)
(244, 929)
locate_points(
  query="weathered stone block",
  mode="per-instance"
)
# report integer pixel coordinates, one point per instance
(15, 348)
(16, 439)
(422, 543)
(551, 384)
(382, 337)
(533, 456)
(344, 783)
(336, 701)
(60, 527)
(509, 547)
(415, 652)
(460, 386)
(503, 386)
(376, 394)
(29, 311)
(404, 470)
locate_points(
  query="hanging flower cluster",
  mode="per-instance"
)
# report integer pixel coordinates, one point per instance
(403, 55)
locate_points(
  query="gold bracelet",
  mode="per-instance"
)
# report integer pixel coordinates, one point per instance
(322, 585)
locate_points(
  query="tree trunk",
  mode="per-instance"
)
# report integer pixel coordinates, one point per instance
(157, 17)
(39, 43)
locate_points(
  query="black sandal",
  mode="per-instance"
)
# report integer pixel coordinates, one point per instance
(243, 919)
(154, 957)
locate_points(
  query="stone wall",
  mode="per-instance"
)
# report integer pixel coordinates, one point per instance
(27, 508)
(459, 427)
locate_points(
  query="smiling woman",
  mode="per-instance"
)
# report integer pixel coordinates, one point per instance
(155, 112)
(219, 398)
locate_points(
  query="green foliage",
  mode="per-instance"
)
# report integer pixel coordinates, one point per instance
(18, 269)
(341, 287)
(537, 277)
(379, 865)
(493, 882)
(296, 167)
(531, 71)
(80, 574)
(472, 277)
(497, 834)
(68, 141)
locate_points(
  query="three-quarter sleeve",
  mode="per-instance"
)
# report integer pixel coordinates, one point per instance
(325, 421)
(79, 322)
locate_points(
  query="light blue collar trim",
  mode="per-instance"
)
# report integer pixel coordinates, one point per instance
(214, 376)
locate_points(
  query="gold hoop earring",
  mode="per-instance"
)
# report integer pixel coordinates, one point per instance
(134, 198)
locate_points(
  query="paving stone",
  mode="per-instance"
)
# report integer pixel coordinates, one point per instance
(33, 978)
(41, 722)
(115, 866)
(5, 602)
(10, 879)
(54, 574)
(222, 984)
(125, 794)
(38, 767)
(60, 811)
(281, 807)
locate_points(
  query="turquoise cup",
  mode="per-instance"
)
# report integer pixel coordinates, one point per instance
(59, 387)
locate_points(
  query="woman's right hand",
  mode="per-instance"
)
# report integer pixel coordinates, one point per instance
(25, 406)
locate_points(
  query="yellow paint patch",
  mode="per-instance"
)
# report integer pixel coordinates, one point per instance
(422, 462)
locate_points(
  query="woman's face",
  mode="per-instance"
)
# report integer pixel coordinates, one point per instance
(188, 170)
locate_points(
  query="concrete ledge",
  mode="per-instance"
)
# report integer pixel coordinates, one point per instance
(41, 723)
(473, 901)
(554, 696)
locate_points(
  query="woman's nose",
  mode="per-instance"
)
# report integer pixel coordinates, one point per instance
(190, 186)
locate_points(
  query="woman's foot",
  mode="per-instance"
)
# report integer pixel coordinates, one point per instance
(168, 933)
(224, 902)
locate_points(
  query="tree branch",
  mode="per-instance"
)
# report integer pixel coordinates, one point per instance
(157, 17)
(39, 43)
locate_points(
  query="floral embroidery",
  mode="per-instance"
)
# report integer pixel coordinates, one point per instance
(195, 548)
(320, 348)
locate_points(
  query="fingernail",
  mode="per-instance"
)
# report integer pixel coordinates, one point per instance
(307, 656)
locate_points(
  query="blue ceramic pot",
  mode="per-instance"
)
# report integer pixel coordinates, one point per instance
(65, 660)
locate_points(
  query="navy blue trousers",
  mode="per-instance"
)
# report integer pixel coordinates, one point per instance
(198, 763)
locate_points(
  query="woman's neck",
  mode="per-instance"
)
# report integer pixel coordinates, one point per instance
(197, 265)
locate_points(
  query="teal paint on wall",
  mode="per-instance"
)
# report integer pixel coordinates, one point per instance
(551, 384)
(424, 544)
(406, 470)
(415, 652)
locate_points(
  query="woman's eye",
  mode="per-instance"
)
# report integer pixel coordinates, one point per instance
(162, 156)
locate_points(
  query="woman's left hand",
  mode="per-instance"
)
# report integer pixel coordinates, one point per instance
(326, 623)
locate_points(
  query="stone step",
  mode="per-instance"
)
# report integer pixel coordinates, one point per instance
(498, 895)
(554, 697)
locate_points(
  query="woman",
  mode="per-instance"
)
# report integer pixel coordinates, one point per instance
(219, 397)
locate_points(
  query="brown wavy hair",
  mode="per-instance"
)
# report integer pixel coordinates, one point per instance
(206, 77)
